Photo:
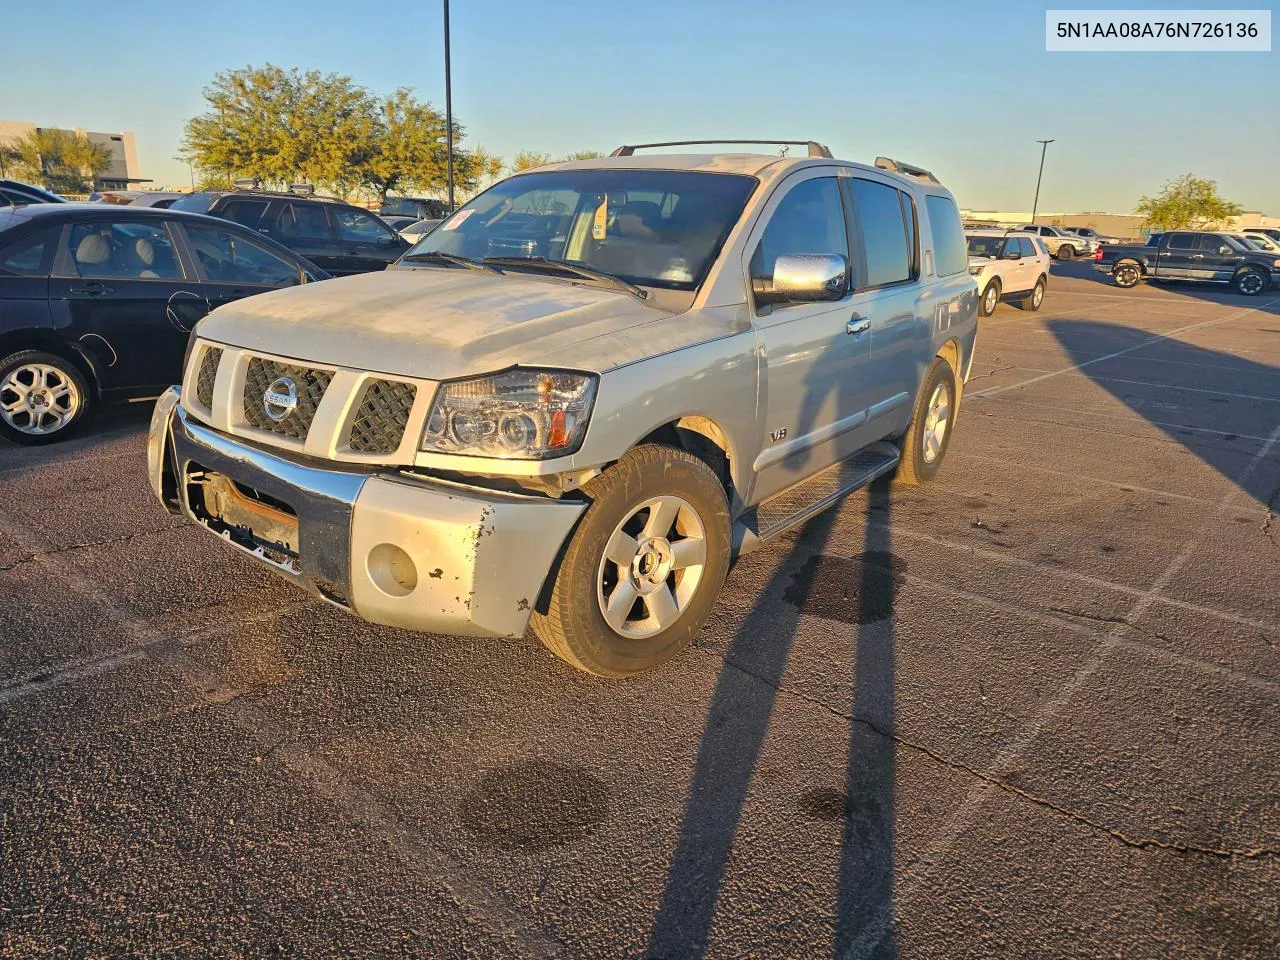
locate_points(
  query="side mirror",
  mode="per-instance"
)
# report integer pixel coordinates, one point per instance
(807, 278)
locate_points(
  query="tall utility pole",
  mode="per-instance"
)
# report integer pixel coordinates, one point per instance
(448, 104)
(1044, 145)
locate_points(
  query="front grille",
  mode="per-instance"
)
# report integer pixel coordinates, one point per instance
(382, 416)
(208, 373)
(310, 385)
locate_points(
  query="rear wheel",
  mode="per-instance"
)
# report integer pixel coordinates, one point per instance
(43, 397)
(990, 299)
(1126, 274)
(1250, 283)
(925, 442)
(1035, 298)
(1066, 252)
(644, 567)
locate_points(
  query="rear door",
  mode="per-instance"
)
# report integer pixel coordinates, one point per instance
(120, 288)
(24, 279)
(1178, 256)
(815, 387)
(367, 242)
(305, 229)
(887, 295)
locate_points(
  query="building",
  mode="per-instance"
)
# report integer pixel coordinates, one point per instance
(1126, 226)
(123, 172)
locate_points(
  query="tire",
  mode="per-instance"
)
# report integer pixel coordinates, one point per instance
(1126, 274)
(919, 462)
(1066, 252)
(1249, 283)
(574, 626)
(990, 299)
(43, 397)
(1035, 299)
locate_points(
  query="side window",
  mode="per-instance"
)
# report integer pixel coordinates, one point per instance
(1026, 247)
(884, 233)
(913, 233)
(810, 219)
(123, 249)
(226, 257)
(1215, 245)
(356, 226)
(247, 212)
(1182, 241)
(1044, 251)
(303, 221)
(32, 255)
(948, 236)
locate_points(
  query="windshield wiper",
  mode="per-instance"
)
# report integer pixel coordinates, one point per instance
(560, 265)
(435, 256)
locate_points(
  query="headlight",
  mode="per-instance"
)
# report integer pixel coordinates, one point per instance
(517, 415)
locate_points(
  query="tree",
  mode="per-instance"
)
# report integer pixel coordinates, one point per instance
(409, 148)
(1187, 203)
(585, 155)
(63, 162)
(527, 159)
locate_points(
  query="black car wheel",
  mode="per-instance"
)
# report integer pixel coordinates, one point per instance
(1126, 274)
(990, 299)
(1250, 283)
(43, 397)
(1066, 252)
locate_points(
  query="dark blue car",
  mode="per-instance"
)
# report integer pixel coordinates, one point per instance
(97, 301)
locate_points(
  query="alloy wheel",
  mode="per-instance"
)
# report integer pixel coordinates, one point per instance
(38, 399)
(937, 421)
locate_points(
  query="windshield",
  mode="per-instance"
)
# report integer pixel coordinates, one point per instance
(657, 228)
(985, 246)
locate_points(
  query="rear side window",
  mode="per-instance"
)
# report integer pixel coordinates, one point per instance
(194, 202)
(303, 222)
(125, 250)
(884, 233)
(1026, 247)
(32, 255)
(1182, 241)
(948, 236)
(247, 212)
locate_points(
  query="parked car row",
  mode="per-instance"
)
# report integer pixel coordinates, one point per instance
(1202, 255)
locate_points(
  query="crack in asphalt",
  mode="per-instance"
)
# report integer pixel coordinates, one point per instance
(1138, 843)
(990, 373)
(103, 542)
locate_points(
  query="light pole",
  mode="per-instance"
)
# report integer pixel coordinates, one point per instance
(448, 104)
(1044, 145)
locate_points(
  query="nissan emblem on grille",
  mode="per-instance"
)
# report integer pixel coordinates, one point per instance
(280, 398)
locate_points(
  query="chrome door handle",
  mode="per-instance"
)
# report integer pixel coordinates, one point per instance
(857, 325)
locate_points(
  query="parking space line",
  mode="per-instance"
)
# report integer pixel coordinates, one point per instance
(959, 820)
(1094, 414)
(993, 391)
(1178, 386)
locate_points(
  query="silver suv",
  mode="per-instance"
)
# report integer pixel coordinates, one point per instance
(582, 395)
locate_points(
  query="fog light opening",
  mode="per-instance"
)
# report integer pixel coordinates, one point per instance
(392, 570)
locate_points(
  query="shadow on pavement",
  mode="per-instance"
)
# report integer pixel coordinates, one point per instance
(859, 592)
(1219, 383)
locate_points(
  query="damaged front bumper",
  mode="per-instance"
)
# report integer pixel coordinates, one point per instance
(398, 550)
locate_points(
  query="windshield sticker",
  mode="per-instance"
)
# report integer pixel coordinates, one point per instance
(458, 219)
(601, 219)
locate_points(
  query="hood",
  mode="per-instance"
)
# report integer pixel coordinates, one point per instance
(430, 322)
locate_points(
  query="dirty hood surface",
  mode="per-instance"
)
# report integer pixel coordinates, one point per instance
(431, 322)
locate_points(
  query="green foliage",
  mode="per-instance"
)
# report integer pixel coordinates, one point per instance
(527, 159)
(285, 126)
(1187, 203)
(61, 161)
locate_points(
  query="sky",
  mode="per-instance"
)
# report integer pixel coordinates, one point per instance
(964, 89)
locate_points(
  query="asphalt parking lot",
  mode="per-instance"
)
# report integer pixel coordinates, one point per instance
(1030, 710)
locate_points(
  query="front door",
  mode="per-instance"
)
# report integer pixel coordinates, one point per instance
(306, 230)
(814, 385)
(368, 242)
(120, 289)
(232, 265)
(1216, 259)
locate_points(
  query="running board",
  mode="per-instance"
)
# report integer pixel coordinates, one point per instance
(797, 504)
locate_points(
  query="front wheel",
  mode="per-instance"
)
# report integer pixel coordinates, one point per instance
(1066, 252)
(644, 567)
(1250, 283)
(990, 299)
(1126, 274)
(43, 397)
(925, 442)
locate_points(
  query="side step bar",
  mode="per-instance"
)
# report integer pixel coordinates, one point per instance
(808, 498)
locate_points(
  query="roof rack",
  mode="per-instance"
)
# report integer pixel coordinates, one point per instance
(906, 169)
(815, 149)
